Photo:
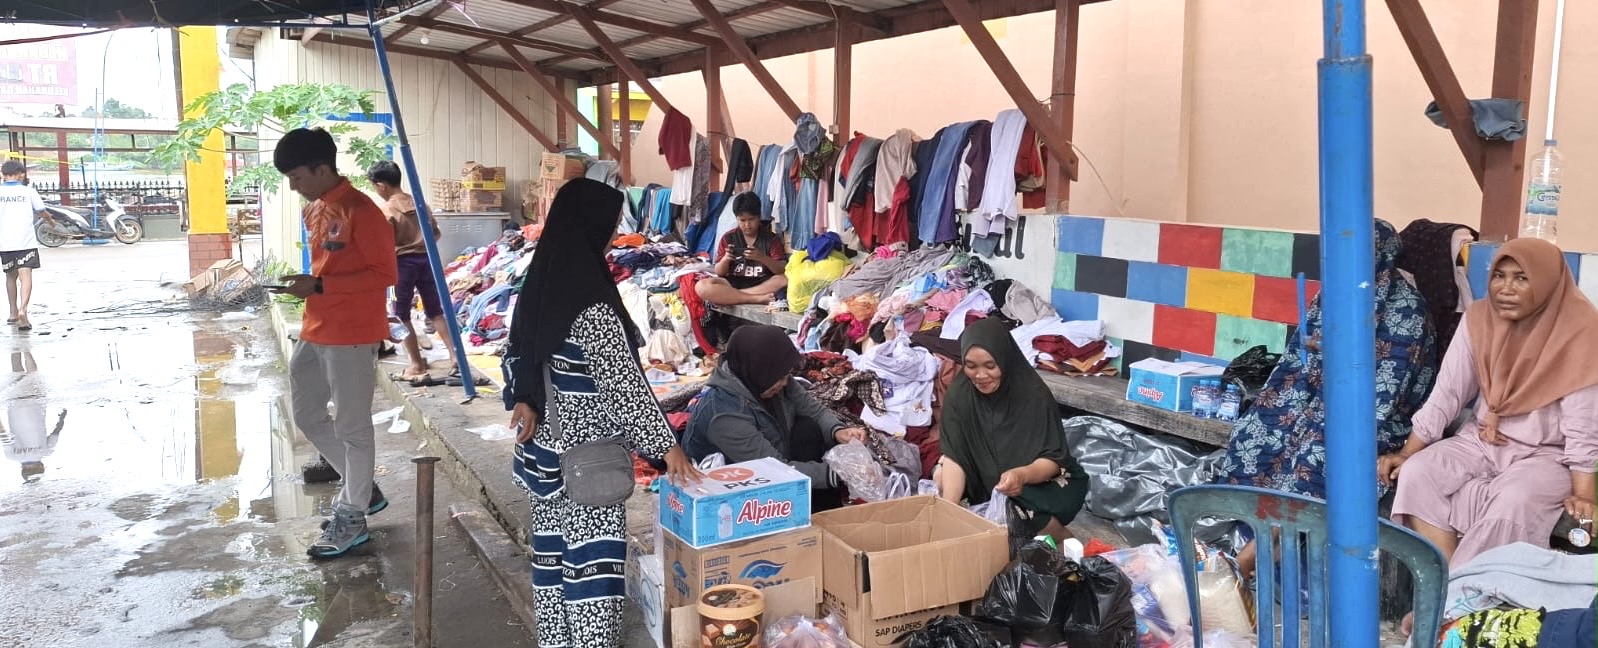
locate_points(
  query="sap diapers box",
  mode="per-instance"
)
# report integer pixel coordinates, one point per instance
(737, 502)
(646, 588)
(759, 563)
(1167, 385)
(890, 567)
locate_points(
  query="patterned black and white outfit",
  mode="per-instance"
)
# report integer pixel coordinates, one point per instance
(579, 552)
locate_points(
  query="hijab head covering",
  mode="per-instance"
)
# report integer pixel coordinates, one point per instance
(1525, 364)
(760, 355)
(568, 274)
(1280, 442)
(1014, 426)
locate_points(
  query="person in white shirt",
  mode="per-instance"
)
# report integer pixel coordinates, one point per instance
(19, 246)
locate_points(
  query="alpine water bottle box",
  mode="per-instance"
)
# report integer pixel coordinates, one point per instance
(736, 502)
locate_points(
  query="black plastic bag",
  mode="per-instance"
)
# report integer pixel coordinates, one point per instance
(950, 632)
(1100, 613)
(1048, 599)
(1249, 371)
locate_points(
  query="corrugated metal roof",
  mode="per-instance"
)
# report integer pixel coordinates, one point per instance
(501, 17)
(759, 18)
(772, 22)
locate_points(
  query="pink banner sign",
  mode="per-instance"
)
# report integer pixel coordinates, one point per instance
(43, 72)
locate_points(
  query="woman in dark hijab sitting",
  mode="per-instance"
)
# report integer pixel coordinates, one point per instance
(1002, 432)
(752, 410)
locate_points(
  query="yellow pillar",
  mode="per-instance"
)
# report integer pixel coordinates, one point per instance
(200, 68)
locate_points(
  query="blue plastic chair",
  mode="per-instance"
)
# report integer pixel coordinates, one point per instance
(1300, 522)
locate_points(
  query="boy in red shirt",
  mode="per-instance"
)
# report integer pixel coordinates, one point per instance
(335, 359)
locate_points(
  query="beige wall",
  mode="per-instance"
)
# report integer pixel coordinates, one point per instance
(448, 118)
(1198, 111)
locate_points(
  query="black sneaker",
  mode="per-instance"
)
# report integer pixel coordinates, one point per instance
(319, 472)
(374, 506)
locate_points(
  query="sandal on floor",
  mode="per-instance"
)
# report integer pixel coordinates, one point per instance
(480, 381)
(400, 377)
(427, 381)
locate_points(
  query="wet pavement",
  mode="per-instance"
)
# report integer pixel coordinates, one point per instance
(150, 491)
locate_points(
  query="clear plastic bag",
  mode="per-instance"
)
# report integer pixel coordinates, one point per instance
(712, 462)
(858, 468)
(928, 487)
(899, 486)
(805, 632)
(995, 510)
(1159, 593)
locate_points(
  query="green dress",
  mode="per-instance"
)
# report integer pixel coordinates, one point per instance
(988, 434)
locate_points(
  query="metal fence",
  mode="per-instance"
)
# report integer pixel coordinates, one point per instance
(138, 197)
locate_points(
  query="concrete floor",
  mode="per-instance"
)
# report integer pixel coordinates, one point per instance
(168, 510)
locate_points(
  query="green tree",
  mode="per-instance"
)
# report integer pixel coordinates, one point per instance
(117, 110)
(268, 114)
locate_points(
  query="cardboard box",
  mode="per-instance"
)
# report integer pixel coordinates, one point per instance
(782, 601)
(482, 178)
(759, 563)
(866, 631)
(1167, 385)
(482, 200)
(556, 166)
(737, 502)
(887, 564)
(646, 588)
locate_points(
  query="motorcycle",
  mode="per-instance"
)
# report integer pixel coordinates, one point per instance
(61, 224)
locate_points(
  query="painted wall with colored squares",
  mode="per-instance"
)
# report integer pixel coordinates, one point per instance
(1178, 291)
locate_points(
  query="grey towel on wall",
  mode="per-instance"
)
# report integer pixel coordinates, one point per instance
(1496, 119)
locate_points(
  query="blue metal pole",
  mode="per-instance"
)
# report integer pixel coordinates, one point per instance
(423, 214)
(1349, 313)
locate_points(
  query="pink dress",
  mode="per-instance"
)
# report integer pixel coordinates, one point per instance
(1495, 495)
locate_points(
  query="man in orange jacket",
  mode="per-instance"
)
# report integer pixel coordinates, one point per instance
(335, 359)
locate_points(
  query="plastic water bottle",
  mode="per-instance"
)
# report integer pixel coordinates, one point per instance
(1231, 402)
(724, 517)
(1204, 399)
(1541, 219)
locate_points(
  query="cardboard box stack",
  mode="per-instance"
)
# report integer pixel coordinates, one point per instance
(445, 196)
(482, 187)
(885, 569)
(554, 171)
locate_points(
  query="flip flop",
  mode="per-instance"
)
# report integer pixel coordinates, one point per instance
(401, 377)
(480, 381)
(427, 381)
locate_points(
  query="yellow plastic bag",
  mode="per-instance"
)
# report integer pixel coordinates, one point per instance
(806, 277)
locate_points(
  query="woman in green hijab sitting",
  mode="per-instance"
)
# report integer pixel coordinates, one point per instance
(1002, 432)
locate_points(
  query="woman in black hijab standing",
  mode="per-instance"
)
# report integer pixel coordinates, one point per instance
(569, 317)
(1002, 432)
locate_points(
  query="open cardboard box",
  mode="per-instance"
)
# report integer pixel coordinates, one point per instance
(782, 601)
(887, 566)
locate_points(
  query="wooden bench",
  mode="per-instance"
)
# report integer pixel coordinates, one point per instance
(1103, 396)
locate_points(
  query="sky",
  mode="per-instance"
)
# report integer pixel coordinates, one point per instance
(134, 66)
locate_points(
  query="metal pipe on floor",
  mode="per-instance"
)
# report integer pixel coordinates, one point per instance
(422, 617)
(1348, 303)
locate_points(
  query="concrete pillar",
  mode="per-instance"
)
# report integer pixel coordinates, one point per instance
(200, 67)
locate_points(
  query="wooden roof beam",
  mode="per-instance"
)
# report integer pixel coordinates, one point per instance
(619, 59)
(909, 19)
(1504, 163)
(740, 49)
(564, 103)
(842, 14)
(1042, 122)
(506, 105)
(541, 25)
(1440, 78)
(430, 14)
(478, 32)
(752, 10)
(421, 52)
(627, 22)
